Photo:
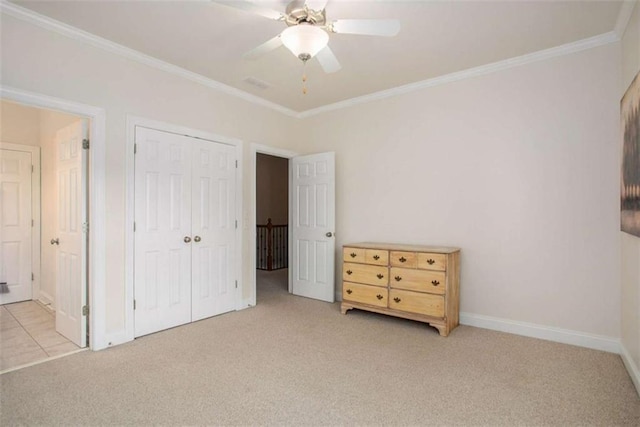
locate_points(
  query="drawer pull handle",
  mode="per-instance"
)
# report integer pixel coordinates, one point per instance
(349, 272)
(402, 259)
(379, 296)
(349, 291)
(435, 282)
(398, 278)
(376, 257)
(352, 254)
(396, 299)
(380, 276)
(430, 261)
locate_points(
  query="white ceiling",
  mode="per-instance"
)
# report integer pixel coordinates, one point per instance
(437, 38)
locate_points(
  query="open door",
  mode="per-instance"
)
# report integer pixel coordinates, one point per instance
(313, 225)
(71, 236)
(15, 225)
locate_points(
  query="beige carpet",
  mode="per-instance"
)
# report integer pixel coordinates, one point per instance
(297, 361)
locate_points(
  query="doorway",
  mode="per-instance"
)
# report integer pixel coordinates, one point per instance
(43, 266)
(272, 226)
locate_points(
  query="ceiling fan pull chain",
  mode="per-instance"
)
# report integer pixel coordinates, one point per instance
(304, 77)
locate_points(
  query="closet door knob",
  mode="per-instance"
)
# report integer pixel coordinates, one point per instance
(197, 239)
(187, 239)
(55, 241)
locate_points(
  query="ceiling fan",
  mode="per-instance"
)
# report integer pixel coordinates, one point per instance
(307, 32)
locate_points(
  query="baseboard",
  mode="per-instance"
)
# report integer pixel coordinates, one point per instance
(565, 336)
(632, 368)
(47, 300)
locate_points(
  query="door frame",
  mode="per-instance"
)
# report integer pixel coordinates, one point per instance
(131, 122)
(35, 214)
(96, 259)
(254, 149)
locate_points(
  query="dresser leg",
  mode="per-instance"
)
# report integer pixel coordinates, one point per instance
(444, 331)
(344, 308)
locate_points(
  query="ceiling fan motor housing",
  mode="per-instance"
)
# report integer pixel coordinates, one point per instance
(297, 13)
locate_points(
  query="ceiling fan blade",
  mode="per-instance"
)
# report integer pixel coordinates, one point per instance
(316, 5)
(368, 27)
(328, 60)
(253, 8)
(265, 47)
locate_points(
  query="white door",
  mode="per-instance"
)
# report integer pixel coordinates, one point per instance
(185, 230)
(213, 229)
(71, 236)
(313, 213)
(162, 231)
(15, 225)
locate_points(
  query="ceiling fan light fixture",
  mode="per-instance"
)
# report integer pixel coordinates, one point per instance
(304, 40)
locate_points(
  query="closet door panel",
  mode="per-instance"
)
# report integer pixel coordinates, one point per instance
(163, 231)
(214, 229)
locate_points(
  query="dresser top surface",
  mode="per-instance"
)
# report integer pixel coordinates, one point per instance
(402, 247)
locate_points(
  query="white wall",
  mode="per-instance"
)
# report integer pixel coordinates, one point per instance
(518, 168)
(19, 124)
(630, 244)
(38, 60)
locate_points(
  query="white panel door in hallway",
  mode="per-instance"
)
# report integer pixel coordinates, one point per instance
(313, 213)
(71, 233)
(184, 230)
(15, 225)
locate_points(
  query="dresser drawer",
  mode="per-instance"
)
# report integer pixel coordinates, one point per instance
(416, 302)
(417, 280)
(377, 257)
(365, 294)
(363, 273)
(432, 261)
(404, 259)
(353, 254)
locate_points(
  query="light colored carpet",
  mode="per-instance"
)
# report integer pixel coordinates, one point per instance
(297, 361)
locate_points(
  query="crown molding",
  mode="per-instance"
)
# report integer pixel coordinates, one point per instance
(624, 16)
(109, 46)
(75, 33)
(588, 43)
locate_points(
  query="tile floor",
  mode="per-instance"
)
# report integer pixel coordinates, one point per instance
(28, 334)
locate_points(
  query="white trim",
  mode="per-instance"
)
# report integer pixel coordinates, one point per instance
(624, 15)
(254, 149)
(131, 123)
(118, 49)
(36, 293)
(109, 46)
(632, 367)
(38, 362)
(98, 335)
(565, 336)
(482, 70)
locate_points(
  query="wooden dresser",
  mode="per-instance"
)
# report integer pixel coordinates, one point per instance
(414, 282)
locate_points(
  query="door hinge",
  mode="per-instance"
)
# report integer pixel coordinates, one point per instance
(85, 310)
(31, 168)
(33, 277)
(135, 148)
(32, 222)
(134, 304)
(134, 226)
(85, 144)
(236, 164)
(236, 284)
(236, 224)
(85, 227)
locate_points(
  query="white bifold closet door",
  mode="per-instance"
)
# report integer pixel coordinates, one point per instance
(184, 230)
